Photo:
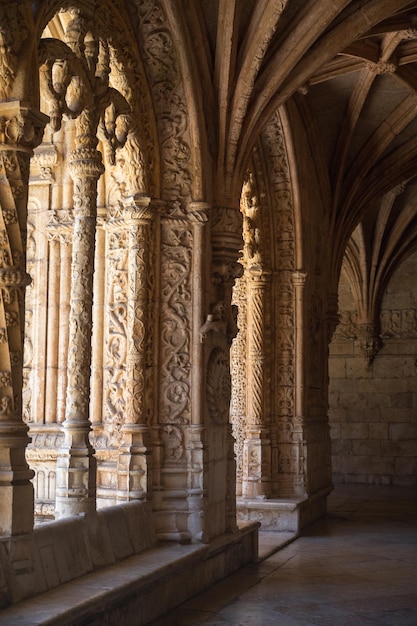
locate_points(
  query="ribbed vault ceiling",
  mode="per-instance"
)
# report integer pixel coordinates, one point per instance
(353, 64)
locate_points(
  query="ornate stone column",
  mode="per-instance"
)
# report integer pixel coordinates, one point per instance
(133, 469)
(299, 474)
(99, 288)
(196, 453)
(257, 446)
(173, 399)
(219, 330)
(238, 361)
(20, 131)
(76, 466)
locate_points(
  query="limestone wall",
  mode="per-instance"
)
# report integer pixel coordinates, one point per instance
(373, 411)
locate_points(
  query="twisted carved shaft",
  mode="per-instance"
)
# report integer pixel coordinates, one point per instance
(256, 348)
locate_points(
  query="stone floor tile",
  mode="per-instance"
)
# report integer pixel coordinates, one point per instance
(354, 568)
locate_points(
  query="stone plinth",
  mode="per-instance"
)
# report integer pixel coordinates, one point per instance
(283, 514)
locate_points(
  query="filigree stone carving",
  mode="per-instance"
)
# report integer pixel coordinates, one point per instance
(13, 34)
(369, 341)
(218, 386)
(176, 248)
(173, 443)
(60, 225)
(238, 360)
(249, 205)
(274, 151)
(116, 339)
(161, 64)
(46, 158)
(398, 323)
(138, 216)
(20, 127)
(346, 329)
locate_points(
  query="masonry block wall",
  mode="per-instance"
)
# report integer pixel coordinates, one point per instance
(373, 410)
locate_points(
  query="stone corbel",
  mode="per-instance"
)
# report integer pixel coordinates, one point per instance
(370, 342)
(21, 127)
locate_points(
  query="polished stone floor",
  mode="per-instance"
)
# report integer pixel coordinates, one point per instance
(356, 567)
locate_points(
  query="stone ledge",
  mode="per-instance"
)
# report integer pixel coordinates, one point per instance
(287, 515)
(60, 551)
(140, 588)
(281, 515)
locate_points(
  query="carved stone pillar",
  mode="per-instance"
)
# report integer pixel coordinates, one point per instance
(98, 326)
(20, 130)
(257, 446)
(133, 469)
(299, 454)
(76, 466)
(221, 328)
(195, 432)
(174, 393)
(238, 361)
(64, 311)
(52, 333)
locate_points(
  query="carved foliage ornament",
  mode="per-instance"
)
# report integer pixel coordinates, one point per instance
(177, 242)
(116, 339)
(276, 156)
(13, 34)
(20, 127)
(169, 99)
(218, 386)
(74, 78)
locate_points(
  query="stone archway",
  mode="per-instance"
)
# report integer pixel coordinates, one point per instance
(87, 110)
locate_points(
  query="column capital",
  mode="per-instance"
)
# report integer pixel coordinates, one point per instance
(137, 208)
(199, 211)
(85, 163)
(259, 274)
(299, 278)
(21, 126)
